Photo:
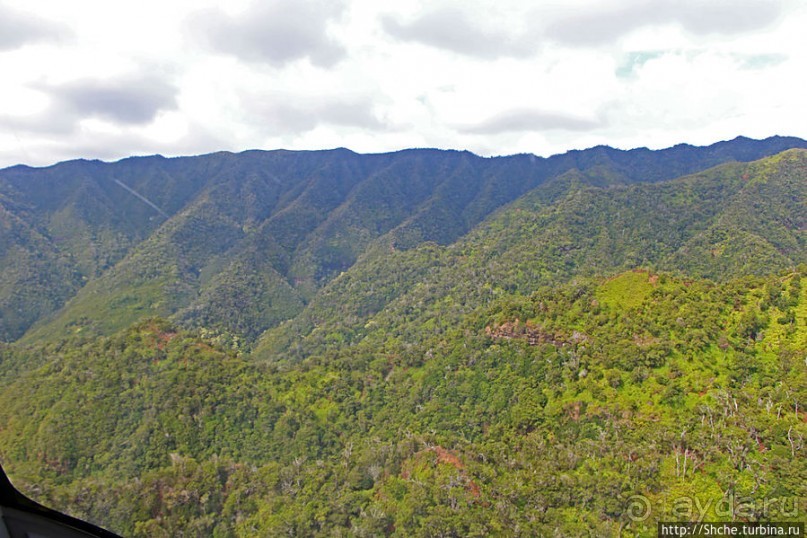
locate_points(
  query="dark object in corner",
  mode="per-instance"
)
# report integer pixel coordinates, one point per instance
(20, 517)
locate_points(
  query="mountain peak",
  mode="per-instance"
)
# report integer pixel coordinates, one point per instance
(280, 223)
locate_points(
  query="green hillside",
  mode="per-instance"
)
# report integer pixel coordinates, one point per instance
(532, 415)
(423, 344)
(28, 265)
(154, 236)
(567, 228)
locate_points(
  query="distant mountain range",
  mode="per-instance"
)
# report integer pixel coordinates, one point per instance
(243, 242)
(422, 343)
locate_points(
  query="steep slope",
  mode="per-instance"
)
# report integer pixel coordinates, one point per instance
(35, 277)
(544, 413)
(565, 228)
(527, 379)
(148, 235)
(95, 213)
(764, 225)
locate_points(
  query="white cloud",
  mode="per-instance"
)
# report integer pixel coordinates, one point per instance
(188, 76)
(18, 28)
(605, 22)
(128, 100)
(452, 29)
(527, 120)
(133, 100)
(275, 32)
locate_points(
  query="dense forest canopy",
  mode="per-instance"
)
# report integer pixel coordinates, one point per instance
(422, 343)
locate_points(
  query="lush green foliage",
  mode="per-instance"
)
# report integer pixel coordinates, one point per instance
(534, 414)
(591, 342)
(78, 237)
(564, 228)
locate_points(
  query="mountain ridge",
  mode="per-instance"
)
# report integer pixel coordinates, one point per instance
(360, 347)
(590, 231)
(316, 213)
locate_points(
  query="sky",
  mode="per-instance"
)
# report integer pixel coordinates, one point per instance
(102, 79)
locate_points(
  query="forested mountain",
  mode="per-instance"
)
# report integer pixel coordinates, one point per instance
(729, 221)
(244, 241)
(422, 343)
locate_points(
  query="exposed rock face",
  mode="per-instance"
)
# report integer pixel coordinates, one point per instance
(533, 334)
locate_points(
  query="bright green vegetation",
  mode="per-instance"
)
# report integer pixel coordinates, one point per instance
(426, 344)
(582, 231)
(274, 228)
(536, 413)
(627, 290)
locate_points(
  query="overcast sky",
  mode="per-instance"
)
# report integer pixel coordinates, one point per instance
(108, 79)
